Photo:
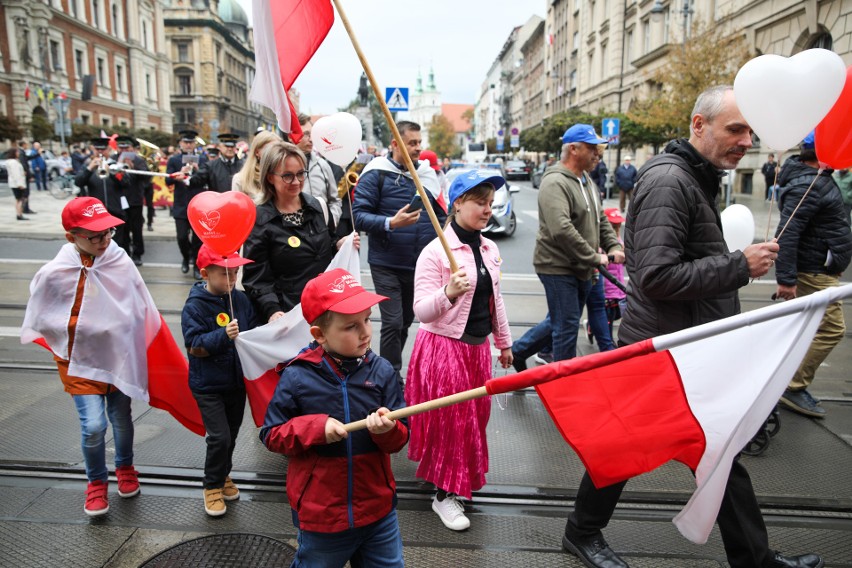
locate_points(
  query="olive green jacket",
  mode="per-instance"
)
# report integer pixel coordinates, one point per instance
(572, 225)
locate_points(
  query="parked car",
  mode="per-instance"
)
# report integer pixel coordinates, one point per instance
(516, 169)
(535, 177)
(54, 164)
(503, 220)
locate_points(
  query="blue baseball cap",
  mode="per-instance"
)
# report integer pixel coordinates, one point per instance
(808, 142)
(468, 180)
(582, 133)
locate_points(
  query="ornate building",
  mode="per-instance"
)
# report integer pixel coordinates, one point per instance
(424, 105)
(211, 48)
(112, 53)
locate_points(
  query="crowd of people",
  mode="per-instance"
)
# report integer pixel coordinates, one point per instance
(340, 484)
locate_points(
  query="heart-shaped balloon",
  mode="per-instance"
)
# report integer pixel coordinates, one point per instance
(737, 227)
(222, 221)
(783, 99)
(833, 136)
(337, 137)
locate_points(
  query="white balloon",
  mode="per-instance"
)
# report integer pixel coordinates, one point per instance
(783, 99)
(737, 227)
(337, 137)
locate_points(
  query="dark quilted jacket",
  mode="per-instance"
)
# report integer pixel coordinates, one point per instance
(819, 226)
(681, 272)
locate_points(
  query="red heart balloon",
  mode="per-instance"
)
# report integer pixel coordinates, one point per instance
(222, 221)
(833, 135)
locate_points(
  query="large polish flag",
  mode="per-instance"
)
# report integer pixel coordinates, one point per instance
(121, 338)
(263, 348)
(287, 33)
(696, 396)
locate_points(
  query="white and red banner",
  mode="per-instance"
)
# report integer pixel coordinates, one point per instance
(696, 396)
(263, 348)
(287, 33)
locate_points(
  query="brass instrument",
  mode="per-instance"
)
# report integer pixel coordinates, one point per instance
(151, 153)
(349, 179)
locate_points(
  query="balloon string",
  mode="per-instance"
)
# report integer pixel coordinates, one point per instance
(230, 298)
(784, 228)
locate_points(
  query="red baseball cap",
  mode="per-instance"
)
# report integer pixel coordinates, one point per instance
(336, 291)
(88, 213)
(206, 257)
(432, 158)
(613, 215)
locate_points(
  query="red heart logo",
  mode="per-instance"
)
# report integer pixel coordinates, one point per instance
(222, 221)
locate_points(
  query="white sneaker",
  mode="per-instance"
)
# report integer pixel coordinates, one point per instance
(451, 513)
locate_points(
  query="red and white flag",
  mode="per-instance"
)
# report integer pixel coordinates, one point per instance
(121, 338)
(263, 348)
(287, 33)
(696, 396)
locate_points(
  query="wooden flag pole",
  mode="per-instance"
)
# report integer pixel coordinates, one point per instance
(396, 136)
(423, 407)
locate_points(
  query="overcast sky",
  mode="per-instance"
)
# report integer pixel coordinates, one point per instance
(460, 39)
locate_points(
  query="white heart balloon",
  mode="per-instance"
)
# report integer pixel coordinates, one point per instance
(737, 227)
(337, 137)
(783, 98)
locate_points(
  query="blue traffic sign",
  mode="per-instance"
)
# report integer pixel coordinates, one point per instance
(396, 98)
(611, 128)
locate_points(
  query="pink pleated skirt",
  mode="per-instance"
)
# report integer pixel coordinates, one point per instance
(449, 442)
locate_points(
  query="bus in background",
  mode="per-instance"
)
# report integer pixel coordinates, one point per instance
(475, 152)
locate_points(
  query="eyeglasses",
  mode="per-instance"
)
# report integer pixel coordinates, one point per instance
(98, 238)
(290, 177)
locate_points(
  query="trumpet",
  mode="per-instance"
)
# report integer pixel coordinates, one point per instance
(105, 168)
(349, 179)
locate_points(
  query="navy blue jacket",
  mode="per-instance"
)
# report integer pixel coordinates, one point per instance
(221, 370)
(625, 177)
(373, 203)
(820, 226)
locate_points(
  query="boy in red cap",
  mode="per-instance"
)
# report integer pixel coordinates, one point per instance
(340, 485)
(210, 322)
(93, 281)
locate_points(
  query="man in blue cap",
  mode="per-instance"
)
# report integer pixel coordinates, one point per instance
(573, 229)
(815, 249)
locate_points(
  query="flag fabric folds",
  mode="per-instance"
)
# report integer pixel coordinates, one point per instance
(287, 33)
(696, 396)
(263, 348)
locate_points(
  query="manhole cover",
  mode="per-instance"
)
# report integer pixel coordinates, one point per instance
(224, 551)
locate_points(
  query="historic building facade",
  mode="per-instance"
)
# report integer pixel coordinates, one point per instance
(108, 57)
(211, 48)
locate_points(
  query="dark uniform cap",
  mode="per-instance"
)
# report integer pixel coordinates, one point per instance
(188, 135)
(125, 140)
(229, 139)
(99, 143)
(212, 150)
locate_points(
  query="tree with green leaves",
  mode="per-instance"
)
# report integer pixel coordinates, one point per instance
(9, 129)
(442, 137)
(41, 129)
(707, 58)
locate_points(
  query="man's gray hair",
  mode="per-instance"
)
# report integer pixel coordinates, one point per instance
(709, 103)
(565, 149)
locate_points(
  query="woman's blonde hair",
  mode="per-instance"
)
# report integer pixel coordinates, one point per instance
(247, 179)
(273, 155)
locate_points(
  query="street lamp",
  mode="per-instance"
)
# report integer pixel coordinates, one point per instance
(686, 11)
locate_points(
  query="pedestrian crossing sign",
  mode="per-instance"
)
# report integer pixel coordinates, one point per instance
(396, 98)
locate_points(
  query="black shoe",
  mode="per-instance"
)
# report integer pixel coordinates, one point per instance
(22, 218)
(29, 211)
(196, 273)
(518, 364)
(137, 261)
(803, 561)
(593, 552)
(150, 228)
(184, 266)
(802, 402)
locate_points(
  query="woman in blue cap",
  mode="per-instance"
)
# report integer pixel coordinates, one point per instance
(457, 313)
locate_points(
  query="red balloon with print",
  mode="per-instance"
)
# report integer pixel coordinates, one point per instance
(222, 221)
(833, 135)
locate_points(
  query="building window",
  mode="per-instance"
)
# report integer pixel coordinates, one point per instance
(73, 7)
(101, 74)
(603, 61)
(183, 52)
(148, 85)
(96, 21)
(115, 29)
(822, 41)
(55, 60)
(646, 36)
(78, 62)
(184, 84)
(105, 121)
(576, 41)
(628, 48)
(144, 34)
(185, 115)
(119, 74)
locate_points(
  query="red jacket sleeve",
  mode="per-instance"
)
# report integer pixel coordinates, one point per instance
(297, 435)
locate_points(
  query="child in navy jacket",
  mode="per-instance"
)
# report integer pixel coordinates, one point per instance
(339, 484)
(215, 373)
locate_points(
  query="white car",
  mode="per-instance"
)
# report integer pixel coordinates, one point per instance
(503, 220)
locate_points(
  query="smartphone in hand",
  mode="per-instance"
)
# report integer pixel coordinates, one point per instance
(416, 203)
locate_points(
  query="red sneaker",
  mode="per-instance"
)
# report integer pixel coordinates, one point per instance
(128, 481)
(96, 499)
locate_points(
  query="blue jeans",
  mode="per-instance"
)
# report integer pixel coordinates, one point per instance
(596, 309)
(378, 545)
(535, 340)
(566, 298)
(93, 410)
